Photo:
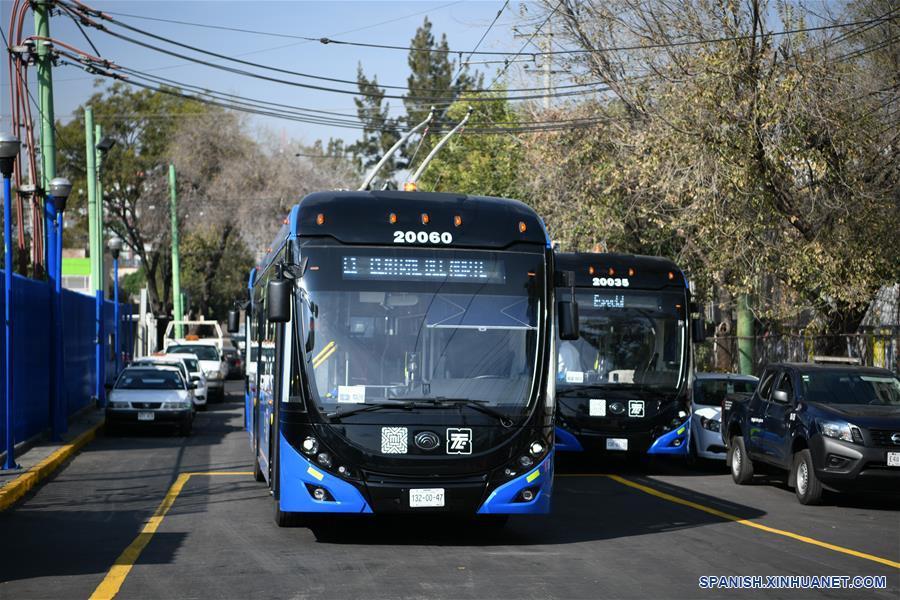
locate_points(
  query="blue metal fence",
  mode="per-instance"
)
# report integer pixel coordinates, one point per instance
(32, 339)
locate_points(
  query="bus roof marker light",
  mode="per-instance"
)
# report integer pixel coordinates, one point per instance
(591, 270)
(522, 227)
(457, 220)
(410, 186)
(671, 276)
(631, 271)
(611, 271)
(425, 218)
(320, 219)
(392, 218)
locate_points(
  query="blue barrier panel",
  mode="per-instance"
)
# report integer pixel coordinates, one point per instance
(31, 354)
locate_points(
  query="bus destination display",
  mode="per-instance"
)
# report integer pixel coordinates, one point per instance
(410, 268)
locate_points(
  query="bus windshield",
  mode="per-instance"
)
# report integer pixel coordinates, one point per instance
(420, 324)
(627, 338)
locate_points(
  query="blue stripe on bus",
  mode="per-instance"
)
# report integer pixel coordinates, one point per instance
(296, 472)
(566, 442)
(502, 501)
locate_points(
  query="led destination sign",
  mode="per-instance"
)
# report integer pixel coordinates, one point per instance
(392, 268)
(622, 301)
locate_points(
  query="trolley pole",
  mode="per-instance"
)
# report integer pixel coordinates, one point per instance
(745, 334)
(177, 307)
(41, 10)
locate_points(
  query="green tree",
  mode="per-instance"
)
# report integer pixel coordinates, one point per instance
(380, 131)
(215, 266)
(483, 164)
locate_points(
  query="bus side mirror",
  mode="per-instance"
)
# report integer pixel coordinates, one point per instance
(698, 330)
(234, 321)
(568, 320)
(278, 300)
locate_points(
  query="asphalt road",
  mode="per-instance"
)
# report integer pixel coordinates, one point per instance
(605, 538)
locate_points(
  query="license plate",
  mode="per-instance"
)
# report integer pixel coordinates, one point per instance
(893, 459)
(426, 497)
(146, 416)
(620, 444)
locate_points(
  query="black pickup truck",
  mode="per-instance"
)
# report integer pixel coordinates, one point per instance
(833, 427)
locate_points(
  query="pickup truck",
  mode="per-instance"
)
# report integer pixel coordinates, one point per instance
(834, 427)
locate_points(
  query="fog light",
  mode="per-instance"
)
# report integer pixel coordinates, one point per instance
(509, 472)
(536, 449)
(343, 470)
(527, 495)
(525, 461)
(676, 442)
(324, 459)
(681, 414)
(310, 445)
(319, 494)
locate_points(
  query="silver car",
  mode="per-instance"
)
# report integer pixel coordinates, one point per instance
(151, 395)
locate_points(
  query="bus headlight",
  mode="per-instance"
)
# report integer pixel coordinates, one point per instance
(536, 449)
(310, 445)
(526, 461)
(324, 459)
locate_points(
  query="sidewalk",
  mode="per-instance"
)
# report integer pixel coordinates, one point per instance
(44, 457)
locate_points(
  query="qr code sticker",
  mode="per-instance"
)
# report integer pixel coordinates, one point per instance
(394, 440)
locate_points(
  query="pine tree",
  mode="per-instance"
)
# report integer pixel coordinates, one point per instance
(380, 132)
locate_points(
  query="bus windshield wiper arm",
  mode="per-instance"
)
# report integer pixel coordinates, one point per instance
(479, 405)
(369, 407)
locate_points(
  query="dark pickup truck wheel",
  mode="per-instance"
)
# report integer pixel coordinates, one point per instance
(806, 484)
(741, 465)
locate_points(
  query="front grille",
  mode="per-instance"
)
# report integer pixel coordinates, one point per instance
(146, 405)
(401, 480)
(882, 437)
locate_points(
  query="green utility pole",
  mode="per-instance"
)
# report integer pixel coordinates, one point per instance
(745, 334)
(41, 10)
(98, 211)
(177, 306)
(91, 156)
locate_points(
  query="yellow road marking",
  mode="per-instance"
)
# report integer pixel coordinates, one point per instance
(18, 487)
(747, 522)
(114, 579)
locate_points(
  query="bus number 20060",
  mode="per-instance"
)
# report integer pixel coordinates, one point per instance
(422, 237)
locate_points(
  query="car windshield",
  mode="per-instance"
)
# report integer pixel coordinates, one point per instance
(200, 351)
(711, 392)
(422, 324)
(149, 379)
(851, 387)
(626, 338)
(156, 363)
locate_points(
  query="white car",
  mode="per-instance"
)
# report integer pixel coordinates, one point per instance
(151, 395)
(708, 391)
(213, 364)
(197, 376)
(192, 369)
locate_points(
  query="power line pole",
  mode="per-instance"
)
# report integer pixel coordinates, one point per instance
(98, 210)
(91, 157)
(545, 44)
(177, 307)
(41, 10)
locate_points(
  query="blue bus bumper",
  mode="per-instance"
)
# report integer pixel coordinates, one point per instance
(566, 442)
(674, 442)
(297, 473)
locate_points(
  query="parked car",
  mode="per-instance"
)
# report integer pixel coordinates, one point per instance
(211, 361)
(833, 427)
(707, 393)
(235, 364)
(189, 367)
(151, 395)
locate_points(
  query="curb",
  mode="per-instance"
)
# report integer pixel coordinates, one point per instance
(14, 490)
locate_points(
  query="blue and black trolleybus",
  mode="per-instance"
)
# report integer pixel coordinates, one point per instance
(622, 384)
(403, 357)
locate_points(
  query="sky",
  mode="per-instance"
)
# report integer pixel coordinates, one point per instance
(372, 21)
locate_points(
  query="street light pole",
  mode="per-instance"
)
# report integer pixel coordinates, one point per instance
(60, 187)
(9, 150)
(115, 246)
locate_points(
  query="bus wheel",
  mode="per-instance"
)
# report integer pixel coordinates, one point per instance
(285, 519)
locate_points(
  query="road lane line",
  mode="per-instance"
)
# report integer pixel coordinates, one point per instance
(114, 579)
(729, 517)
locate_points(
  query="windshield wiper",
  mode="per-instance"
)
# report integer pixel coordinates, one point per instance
(479, 405)
(368, 408)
